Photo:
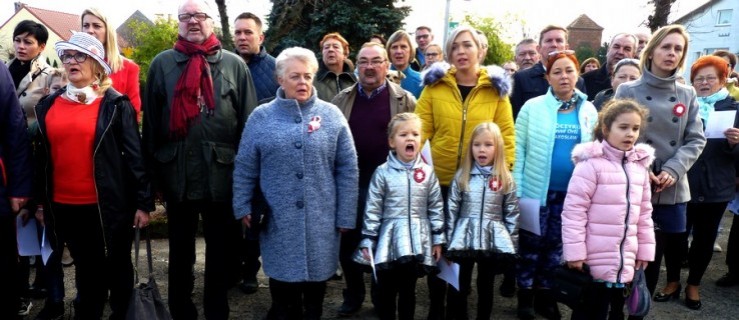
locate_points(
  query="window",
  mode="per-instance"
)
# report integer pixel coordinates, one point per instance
(724, 17)
(708, 51)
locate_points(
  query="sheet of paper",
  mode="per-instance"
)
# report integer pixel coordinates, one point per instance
(45, 247)
(372, 263)
(449, 272)
(426, 153)
(529, 219)
(28, 244)
(718, 122)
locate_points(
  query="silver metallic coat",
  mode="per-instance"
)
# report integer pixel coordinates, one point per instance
(404, 216)
(483, 221)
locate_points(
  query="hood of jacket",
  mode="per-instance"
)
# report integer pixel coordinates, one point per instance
(642, 153)
(490, 75)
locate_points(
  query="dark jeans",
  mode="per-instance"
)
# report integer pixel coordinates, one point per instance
(437, 287)
(96, 273)
(457, 301)
(353, 274)
(221, 231)
(296, 300)
(669, 245)
(54, 275)
(542, 254)
(596, 303)
(703, 219)
(398, 284)
(732, 249)
(12, 285)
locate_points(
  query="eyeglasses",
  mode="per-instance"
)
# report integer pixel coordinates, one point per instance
(373, 63)
(67, 58)
(706, 79)
(565, 52)
(199, 16)
(432, 54)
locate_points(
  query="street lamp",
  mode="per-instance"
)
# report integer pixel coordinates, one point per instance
(446, 19)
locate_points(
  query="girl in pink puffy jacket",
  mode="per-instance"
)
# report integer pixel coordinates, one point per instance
(607, 216)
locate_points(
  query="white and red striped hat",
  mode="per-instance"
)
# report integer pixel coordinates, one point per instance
(87, 44)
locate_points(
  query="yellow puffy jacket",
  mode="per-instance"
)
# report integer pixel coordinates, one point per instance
(448, 122)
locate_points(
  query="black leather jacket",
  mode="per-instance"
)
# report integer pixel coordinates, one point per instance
(121, 180)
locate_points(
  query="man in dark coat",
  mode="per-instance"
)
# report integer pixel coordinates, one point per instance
(623, 46)
(531, 82)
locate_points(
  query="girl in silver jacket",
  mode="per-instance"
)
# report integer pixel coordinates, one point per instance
(482, 219)
(404, 220)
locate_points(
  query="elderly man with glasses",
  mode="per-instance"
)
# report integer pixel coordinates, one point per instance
(623, 46)
(368, 105)
(197, 99)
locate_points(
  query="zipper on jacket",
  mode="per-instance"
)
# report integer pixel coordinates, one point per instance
(482, 211)
(410, 197)
(626, 221)
(465, 105)
(97, 193)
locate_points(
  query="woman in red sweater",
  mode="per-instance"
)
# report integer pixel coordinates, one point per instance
(124, 72)
(92, 184)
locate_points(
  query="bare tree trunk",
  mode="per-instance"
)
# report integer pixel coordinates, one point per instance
(227, 39)
(661, 13)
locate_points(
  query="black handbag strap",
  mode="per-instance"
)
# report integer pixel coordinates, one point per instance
(137, 238)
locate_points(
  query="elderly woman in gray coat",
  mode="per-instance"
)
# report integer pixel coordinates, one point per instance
(298, 149)
(675, 132)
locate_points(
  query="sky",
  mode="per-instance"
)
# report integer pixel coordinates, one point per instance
(521, 17)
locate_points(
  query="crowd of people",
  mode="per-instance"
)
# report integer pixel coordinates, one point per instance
(311, 165)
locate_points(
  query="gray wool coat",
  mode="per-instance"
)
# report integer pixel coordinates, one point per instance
(677, 138)
(309, 180)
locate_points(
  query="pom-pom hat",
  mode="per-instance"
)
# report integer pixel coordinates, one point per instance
(87, 44)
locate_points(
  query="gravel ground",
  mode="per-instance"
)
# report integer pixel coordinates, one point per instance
(718, 303)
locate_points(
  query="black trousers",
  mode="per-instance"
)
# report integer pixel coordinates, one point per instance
(598, 299)
(353, 274)
(669, 245)
(296, 300)
(732, 249)
(221, 231)
(703, 219)
(11, 289)
(396, 288)
(96, 273)
(437, 287)
(457, 300)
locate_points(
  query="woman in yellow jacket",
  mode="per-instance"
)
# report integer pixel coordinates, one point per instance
(455, 100)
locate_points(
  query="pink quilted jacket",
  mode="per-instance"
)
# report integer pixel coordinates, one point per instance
(607, 217)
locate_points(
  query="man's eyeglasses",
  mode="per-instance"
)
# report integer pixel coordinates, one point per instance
(565, 52)
(373, 63)
(67, 58)
(706, 79)
(199, 16)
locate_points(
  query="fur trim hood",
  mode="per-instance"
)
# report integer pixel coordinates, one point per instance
(642, 152)
(496, 75)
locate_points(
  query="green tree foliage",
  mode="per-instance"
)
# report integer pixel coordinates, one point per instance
(304, 22)
(498, 51)
(583, 52)
(151, 40)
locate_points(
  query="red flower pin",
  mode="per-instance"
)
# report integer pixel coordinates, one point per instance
(679, 109)
(419, 175)
(493, 184)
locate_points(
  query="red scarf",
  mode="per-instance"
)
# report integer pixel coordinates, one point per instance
(194, 87)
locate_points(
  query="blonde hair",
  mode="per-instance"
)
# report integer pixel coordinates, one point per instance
(104, 81)
(657, 38)
(500, 168)
(55, 73)
(112, 55)
(397, 119)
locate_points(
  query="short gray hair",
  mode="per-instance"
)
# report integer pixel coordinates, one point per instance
(295, 53)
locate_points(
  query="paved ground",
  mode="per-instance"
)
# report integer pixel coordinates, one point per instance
(718, 303)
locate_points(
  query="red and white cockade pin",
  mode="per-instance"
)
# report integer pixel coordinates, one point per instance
(419, 175)
(679, 109)
(494, 184)
(314, 124)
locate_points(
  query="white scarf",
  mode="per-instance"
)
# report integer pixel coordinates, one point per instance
(84, 95)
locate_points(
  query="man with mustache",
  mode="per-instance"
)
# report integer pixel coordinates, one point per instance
(335, 72)
(368, 106)
(526, 54)
(197, 100)
(249, 37)
(623, 46)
